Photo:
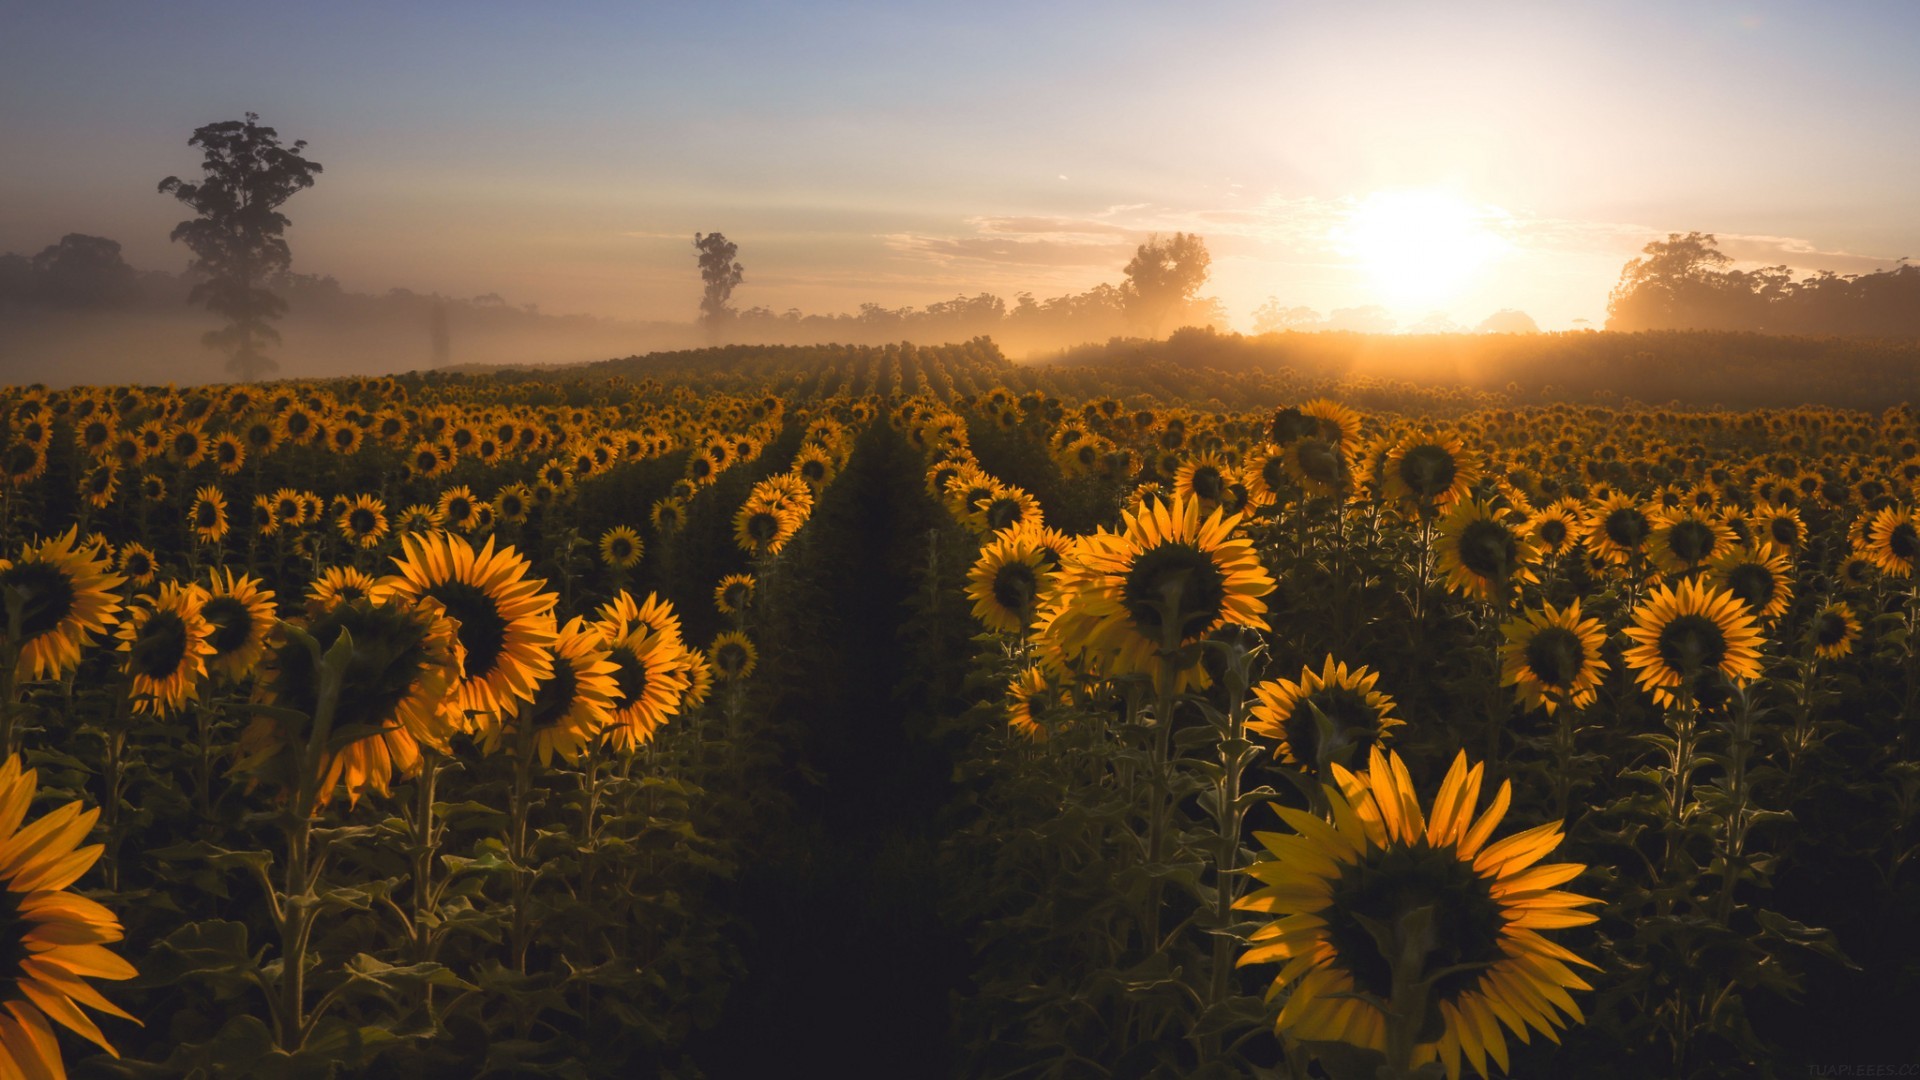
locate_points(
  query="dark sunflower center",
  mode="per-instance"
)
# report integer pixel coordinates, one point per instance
(186, 444)
(1322, 464)
(1207, 483)
(483, 630)
(232, 623)
(1829, 628)
(160, 646)
(206, 515)
(813, 469)
(389, 655)
(286, 509)
(1014, 586)
(1003, 512)
(137, 564)
(629, 677)
(1428, 470)
(1487, 548)
(622, 549)
(739, 595)
(1387, 885)
(1692, 643)
(512, 505)
(298, 424)
(763, 526)
(426, 461)
(1353, 723)
(1181, 573)
(1553, 531)
(731, 658)
(1274, 473)
(361, 520)
(556, 696)
(1555, 655)
(1691, 541)
(1290, 424)
(1752, 583)
(1904, 542)
(1784, 531)
(47, 596)
(1627, 527)
(458, 510)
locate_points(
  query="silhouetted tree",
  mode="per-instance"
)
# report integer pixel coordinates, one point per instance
(82, 271)
(1685, 283)
(719, 273)
(1163, 278)
(440, 333)
(1508, 321)
(236, 238)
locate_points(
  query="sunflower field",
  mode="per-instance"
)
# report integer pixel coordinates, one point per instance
(905, 711)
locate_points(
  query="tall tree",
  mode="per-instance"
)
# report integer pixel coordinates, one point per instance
(1163, 278)
(83, 271)
(237, 236)
(719, 273)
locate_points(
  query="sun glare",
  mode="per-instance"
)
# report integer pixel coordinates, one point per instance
(1418, 247)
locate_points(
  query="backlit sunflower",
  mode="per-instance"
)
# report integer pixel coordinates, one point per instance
(1834, 629)
(363, 521)
(504, 618)
(241, 615)
(64, 593)
(1204, 476)
(1558, 528)
(1006, 581)
(1167, 560)
(456, 508)
(1326, 716)
(208, 517)
(650, 676)
(339, 585)
(1318, 466)
(99, 484)
(1552, 657)
(734, 594)
(1686, 539)
(1467, 913)
(1759, 575)
(668, 515)
(1680, 635)
(762, 531)
(620, 547)
(137, 563)
(165, 639)
(570, 708)
(1482, 555)
(733, 656)
(1030, 700)
(1430, 471)
(51, 940)
(1618, 529)
(1893, 541)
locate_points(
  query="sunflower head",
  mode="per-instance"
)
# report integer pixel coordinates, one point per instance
(1483, 555)
(1683, 636)
(620, 547)
(651, 675)
(165, 642)
(504, 618)
(569, 709)
(1834, 630)
(733, 656)
(241, 614)
(1326, 717)
(1552, 657)
(734, 594)
(54, 599)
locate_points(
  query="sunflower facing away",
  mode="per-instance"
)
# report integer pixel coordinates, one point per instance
(734, 594)
(505, 619)
(65, 596)
(620, 547)
(1551, 657)
(1327, 716)
(1380, 863)
(1680, 635)
(1030, 698)
(51, 940)
(733, 656)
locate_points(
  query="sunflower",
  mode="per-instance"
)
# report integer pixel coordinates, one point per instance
(241, 615)
(165, 639)
(229, 453)
(668, 515)
(54, 940)
(651, 676)
(187, 446)
(22, 464)
(1686, 539)
(1030, 700)
(512, 503)
(1759, 575)
(816, 466)
(734, 594)
(1006, 507)
(505, 619)
(64, 596)
(1204, 476)
(1167, 560)
(1007, 580)
(417, 518)
(1893, 541)
(339, 585)
(570, 708)
(99, 484)
(620, 547)
(137, 563)
(1618, 529)
(654, 615)
(208, 517)
(153, 487)
(456, 508)
(1354, 898)
(1552, 657)
(1430, 471)
(1558, 528)
(398, 681)
(1834, 630)
(363, 521)
(733, 656)
(762, 530)
(1482, 555)
(1325, 717)
(1681, 635)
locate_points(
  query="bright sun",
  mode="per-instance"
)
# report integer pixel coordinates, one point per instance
(1418, 247)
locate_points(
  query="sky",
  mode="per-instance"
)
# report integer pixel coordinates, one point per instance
(1440, 160)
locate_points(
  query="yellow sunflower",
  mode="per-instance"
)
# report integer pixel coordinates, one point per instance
(1482, 555)
(1204, 476)
(1030, 699)
(1383, 888)
(1325, 717)
(1558, 528)
(99, 484)
(1685, 539)
(570, 708)
(54, 939)
(734, 594)
(1007, 507)
(208, 517)
(165, 639)
(1318, 466)
(620, 547)
(1007, 580)
(1834, 630)
(668, 515)
(1680, 635)
(1552, 657)
(242, 617)
(62, 594)
(1430, 471)
(505, 619)
(651, 675)
(762, 530)
(338, 585)
(1618, 529)
(138, 564)
(1893, 541)
(654, 615)
(456, 508)
(1758, 574)
(733, 656)
(363, 521)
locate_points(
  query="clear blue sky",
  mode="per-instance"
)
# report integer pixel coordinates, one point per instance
(900, 153)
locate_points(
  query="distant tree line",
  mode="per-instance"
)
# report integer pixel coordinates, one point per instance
(1686, 283)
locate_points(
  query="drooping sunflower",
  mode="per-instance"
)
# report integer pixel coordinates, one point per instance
(1484, 963)
(1482, 555)
(165, 639)
(1430, 471)
(51, 940)
(1326, 716)
(504, 618)
(1681, 634)
(208, 517)
(569, 709)
(1834, 629)
(1686, 539)
(1618, 529)
(650, 676)
(1893, 541)
(1551, 657)
(1167, 560)
(363, 521)
(99, 484)
(1007, 580)
(66, 597)
(734, 594)
(733, 656)
(621, 547)
(1759, 575)
(242, 617)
